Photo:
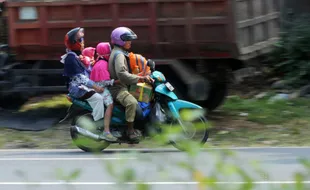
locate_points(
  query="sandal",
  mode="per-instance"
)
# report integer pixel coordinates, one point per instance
(138, 133)
(133, 136)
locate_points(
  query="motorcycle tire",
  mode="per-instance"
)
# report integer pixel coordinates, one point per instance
(86, 144)
(203, 131)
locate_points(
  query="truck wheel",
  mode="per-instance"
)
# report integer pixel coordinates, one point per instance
(219, 78)
(4, 58)
(217, 96)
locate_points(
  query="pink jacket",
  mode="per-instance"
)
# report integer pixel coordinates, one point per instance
(100, 71)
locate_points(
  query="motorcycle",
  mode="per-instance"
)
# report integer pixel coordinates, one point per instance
(165, 108)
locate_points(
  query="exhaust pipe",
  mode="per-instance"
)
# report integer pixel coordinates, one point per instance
(86, 133)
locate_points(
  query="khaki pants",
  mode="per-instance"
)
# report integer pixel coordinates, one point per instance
(129, 102)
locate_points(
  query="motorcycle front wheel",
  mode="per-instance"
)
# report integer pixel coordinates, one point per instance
(87, 144)
(183, 131)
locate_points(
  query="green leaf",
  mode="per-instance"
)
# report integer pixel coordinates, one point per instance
(74, 175)
(59, 174)
(185, 165)
(143, 187)
(230, 169)
(128, 175)
(299, 178)
(110, 169)
(305, 163)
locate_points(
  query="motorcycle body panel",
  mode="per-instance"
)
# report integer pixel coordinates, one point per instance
(158, 77)
(162, 89)
(176, 105)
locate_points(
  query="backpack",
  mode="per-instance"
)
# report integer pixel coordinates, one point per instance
(135, 65)
(138, 64)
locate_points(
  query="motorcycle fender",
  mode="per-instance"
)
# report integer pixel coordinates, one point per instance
(177, 105)
(162, 89)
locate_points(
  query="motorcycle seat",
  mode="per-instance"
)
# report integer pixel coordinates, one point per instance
(84, 104)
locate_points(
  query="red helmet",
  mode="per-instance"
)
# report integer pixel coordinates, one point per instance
(74, 39)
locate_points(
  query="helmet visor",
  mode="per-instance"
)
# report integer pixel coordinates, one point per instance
(129, 37)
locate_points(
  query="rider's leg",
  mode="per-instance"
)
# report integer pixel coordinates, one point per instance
(130, 103)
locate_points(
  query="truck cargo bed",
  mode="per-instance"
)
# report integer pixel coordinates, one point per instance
(166, 28)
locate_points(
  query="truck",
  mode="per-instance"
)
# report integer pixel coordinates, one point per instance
(197, 44)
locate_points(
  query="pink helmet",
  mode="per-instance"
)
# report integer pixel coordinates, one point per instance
(103, 49)
(89, 52)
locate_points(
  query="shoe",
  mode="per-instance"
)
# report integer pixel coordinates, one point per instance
(133, 136)
(108, 137)
(116, 134)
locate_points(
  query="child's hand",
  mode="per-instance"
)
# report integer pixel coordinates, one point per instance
(99, 89)
(92, 61)
(117, 82)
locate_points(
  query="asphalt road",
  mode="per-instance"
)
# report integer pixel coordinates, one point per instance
(40, 169)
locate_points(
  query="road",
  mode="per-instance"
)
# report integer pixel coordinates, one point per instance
(26, 169)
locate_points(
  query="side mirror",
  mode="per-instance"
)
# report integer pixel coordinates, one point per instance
(151, 64)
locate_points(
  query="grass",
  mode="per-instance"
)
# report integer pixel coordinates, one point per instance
(261, 122)
(295, 133)
(265, 112)
(281, 123)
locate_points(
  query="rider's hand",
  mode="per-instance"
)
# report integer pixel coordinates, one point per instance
(147, 79)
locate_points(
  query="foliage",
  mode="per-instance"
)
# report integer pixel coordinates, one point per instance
(290, 56)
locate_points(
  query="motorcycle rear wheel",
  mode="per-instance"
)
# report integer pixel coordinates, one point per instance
(86, 144)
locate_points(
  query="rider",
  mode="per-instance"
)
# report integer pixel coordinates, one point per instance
(79, 84)
(121, 38)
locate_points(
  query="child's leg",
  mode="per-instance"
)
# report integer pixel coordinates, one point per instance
(107, 118)
(108, 101)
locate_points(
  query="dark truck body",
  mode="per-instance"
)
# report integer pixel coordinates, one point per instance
(197, 34)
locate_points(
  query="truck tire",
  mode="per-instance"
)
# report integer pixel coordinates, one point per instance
(4, 58)
(217, 96)
(14, 100)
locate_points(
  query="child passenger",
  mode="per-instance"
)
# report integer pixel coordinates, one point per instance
(101, 76)
(88, 57)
